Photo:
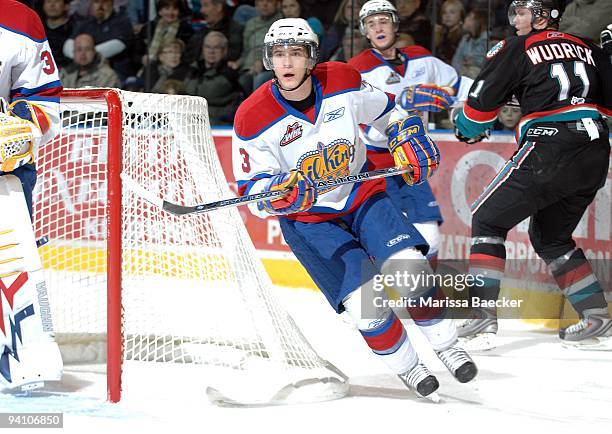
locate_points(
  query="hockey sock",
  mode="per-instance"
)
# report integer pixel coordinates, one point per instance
(388, 340)
(487, 260)
(575, 278)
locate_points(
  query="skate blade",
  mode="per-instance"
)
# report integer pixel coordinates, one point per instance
(479, 343)
(591, 344)
(23, 389)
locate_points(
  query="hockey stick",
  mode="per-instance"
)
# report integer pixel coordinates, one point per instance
(320, 184)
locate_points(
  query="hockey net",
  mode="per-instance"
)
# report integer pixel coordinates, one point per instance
(131, 285)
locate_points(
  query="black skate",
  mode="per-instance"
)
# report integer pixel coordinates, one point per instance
(420, 380)
(459, 363)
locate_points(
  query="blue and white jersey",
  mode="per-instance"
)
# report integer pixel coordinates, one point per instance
(418, 66)
(271, 137)
(27, 69)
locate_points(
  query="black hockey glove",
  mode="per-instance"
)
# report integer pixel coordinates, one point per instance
(471, 140)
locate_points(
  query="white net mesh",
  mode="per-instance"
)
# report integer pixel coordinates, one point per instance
(193, 291)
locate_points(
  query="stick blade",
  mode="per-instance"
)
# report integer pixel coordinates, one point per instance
(140, 191)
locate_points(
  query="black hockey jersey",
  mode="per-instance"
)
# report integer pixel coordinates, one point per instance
(555, 76)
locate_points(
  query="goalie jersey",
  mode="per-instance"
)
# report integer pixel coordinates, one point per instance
(555, 76)
(27, 69)
(271, 137)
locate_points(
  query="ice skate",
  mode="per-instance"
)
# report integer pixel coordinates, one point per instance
(421, 381)
(459, 363)
(479, 332)
(592, 332)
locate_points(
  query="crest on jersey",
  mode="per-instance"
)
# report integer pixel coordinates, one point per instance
(495, 49)
(328, 161)
(294, 132)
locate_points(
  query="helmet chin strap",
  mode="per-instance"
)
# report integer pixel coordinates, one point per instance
(277, 81)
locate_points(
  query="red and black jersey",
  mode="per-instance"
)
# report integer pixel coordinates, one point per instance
(555, 76)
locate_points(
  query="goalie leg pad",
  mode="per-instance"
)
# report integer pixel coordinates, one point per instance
(29, 353)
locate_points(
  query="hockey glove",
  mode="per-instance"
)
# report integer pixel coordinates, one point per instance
(471, 140)
(459, 135)
(606, 39)
(302, 196)
(18, 140)
(410, 146)
(425, 98)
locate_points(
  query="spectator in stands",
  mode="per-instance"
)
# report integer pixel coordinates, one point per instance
(212, 79)
(450, 32)
(292, 9)
(58, 27)
(167, 26)
(586, 18)
(89, 67)
(324, 10)
(470, 55)
(217, 18)
(507, 118)
(168, 65)
(112, 33)
(353, 43)
(173, 87)
(332, 41)
(250, 65)
(244, 13)
(134, 84)
(414, 22)
(80, 8)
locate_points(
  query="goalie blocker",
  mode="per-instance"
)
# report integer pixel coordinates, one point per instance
(29, 355)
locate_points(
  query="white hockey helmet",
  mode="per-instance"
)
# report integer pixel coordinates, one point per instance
(291, 31)
(373, 7)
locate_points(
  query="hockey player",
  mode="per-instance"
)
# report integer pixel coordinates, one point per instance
(562, 83)
(30, 84)
(303, 126)
(417, 78)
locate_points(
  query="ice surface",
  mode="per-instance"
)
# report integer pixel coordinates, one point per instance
(529, 382)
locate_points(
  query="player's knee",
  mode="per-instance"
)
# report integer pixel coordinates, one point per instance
(409, 269)
(353, 306)
(549, 250)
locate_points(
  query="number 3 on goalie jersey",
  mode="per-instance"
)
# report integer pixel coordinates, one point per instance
(246, 164)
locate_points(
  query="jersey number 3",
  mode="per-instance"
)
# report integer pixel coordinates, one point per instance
(558, 71)
(246, 164)
(47, 60)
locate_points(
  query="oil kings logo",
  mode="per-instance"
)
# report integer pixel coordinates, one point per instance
(294, 132)
(328, 161)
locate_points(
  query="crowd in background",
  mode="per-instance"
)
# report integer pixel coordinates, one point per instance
(212, 48)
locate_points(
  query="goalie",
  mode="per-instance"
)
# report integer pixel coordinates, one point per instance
(29, 355)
